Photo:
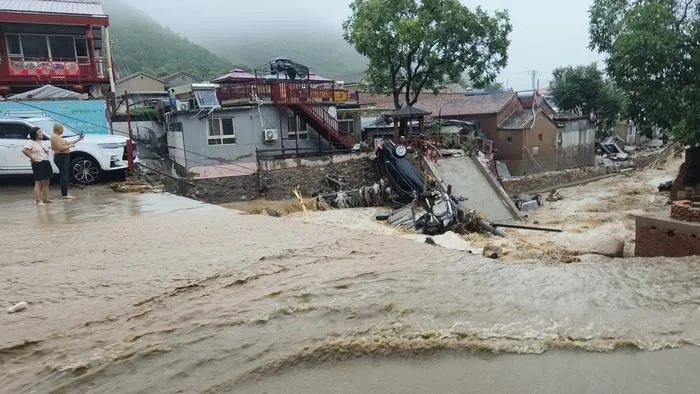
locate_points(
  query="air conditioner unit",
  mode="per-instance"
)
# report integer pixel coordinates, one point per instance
(183, 106)
(270, 135)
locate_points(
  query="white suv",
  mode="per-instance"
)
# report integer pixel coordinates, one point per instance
(90, 158)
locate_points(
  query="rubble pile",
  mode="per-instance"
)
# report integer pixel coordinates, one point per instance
(132, 186)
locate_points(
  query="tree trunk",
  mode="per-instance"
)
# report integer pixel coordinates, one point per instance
(397, 94)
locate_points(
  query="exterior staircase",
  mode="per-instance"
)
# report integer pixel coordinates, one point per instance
(298, 99)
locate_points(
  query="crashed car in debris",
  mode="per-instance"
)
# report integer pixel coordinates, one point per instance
(433, 212)
(528, 202)
(405, 180)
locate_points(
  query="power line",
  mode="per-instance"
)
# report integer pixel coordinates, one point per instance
(189, 152)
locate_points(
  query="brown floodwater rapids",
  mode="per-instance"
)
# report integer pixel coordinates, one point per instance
(198, 298)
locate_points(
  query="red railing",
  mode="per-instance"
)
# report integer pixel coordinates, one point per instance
(428, 148)
(302, 98)
(265, 91)
(76, 70)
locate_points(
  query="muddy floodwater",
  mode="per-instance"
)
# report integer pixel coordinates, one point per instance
(151, 293)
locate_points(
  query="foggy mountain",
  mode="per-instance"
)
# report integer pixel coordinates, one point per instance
(140, 44)
(252, 33)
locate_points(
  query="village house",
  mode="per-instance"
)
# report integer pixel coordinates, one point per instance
(178, 79)
(57, 42)
(525, 136)
(226, 129)
(139, 82)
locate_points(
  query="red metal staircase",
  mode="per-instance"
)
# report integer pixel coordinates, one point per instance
(299, 100)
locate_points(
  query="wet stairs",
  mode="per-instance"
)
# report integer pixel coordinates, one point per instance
(298, 99)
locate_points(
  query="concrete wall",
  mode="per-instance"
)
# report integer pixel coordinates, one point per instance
(575, 144)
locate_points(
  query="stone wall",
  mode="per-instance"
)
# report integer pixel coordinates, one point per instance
(278, 182)
(553, 180)
(657, 237)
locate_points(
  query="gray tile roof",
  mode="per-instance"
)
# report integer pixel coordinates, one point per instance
(66, 7)
(517, 120)
(448, 104)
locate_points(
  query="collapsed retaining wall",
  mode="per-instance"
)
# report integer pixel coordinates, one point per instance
(279, 177)
(553, 180)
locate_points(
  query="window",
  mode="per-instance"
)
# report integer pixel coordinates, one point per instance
(221, 132)
(14, 131)
(298, 129)
(39, 47)
(539, 136)
(35, 46)
(346, 125)
(62, 47)
(509, 139)
(14, 48)
(81, 49)
(535, 150)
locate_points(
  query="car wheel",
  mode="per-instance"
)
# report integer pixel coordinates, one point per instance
(84, 171)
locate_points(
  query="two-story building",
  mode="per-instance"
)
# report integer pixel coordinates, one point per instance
(58, 42)
(224, 130)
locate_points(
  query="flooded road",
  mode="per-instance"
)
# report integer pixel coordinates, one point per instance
(154, 293)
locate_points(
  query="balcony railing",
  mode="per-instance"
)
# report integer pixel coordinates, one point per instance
(264, 91)
(75, 70)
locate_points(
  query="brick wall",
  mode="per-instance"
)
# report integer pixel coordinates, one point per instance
(657, 237)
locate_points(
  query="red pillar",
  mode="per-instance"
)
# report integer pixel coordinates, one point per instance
(90, 36)
(6, 66)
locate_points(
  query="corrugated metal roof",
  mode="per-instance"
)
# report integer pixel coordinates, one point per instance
(70, 7)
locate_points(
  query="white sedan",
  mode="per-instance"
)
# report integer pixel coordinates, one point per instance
(95, 155)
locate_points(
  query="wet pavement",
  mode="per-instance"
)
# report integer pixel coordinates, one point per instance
(92, 203)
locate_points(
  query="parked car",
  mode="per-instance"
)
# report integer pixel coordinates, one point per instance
(94, 156)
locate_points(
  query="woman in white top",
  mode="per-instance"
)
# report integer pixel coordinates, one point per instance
(38, 154)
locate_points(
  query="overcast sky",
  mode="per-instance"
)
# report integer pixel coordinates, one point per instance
(546, 33)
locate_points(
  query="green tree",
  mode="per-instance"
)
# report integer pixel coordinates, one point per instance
(653, 55)
(583, 90)
(414, 45)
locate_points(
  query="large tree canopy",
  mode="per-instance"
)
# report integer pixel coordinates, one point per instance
(583, 90)
(653, 49)
(414, 45)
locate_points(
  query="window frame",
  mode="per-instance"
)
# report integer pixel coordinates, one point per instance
(47, 40)
(15, 124)
(297, 132)
(221, 137)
